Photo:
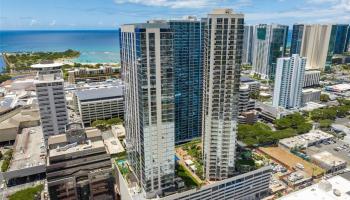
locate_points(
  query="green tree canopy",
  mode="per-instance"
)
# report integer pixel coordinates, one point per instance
(4, 77)
(324, 97)
(294, 121)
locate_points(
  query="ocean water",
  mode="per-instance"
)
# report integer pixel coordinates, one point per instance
(95, 46)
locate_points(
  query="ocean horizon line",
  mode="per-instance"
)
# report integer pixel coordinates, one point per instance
(25, 30)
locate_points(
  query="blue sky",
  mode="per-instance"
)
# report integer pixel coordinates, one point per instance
(109, 14)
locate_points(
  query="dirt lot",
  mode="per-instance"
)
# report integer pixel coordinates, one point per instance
(290, 160)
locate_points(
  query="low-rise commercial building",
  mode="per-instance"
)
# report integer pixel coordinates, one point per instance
(99, 103)
(297, 178)
(310, 95)
(328, 161)
(78, 165)
(12, 121)
(338, 88)
(310, 106)
(305, 140)
(93, 74)
(271, 113)
(28, 161)
(335, 188)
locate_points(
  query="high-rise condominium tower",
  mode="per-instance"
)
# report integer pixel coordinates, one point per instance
(341, 34)
(347, 45)
(188, 75)
(320, 42)
(49, 85)
(315, 45)
(269, 43)
(247, 44)
(223, 40)
(148, 71)
(297, 38)
(289, 82)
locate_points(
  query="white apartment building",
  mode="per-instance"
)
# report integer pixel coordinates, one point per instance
(315, 44)
(49, 85)
(147, 65)
(99, 103)
(289, 82)
(311, 78)
(223, 40)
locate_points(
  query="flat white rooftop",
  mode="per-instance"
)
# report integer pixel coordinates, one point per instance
(305, 139)
(310, 90)
(68, 149)
(328, 158)
(336, 188)
(29, 150)
(310, 106)
(49, 65)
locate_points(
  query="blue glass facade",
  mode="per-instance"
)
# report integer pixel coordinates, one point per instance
(341, 37)
(277, 47)
(347, 45)
(297, 37)
(188, 79)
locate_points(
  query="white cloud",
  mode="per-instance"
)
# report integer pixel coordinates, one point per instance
(187, 3)
(242, 3)
(314, 11)
(33, 22)
(321, 1)
(53, 23)
(343, 5)
(168, 3)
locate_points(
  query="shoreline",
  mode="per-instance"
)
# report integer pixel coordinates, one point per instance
(71, 62)
(67, 61)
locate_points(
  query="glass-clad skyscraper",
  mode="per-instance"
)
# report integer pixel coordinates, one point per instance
(297, 38)
(341, 38)
(247, 44)
(148, 71)
(347, 43)
(188, 78)
(269, 43)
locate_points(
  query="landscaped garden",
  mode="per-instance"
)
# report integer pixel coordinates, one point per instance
(6, 160)
(193, 151)
(186, 176)
(32, 193)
